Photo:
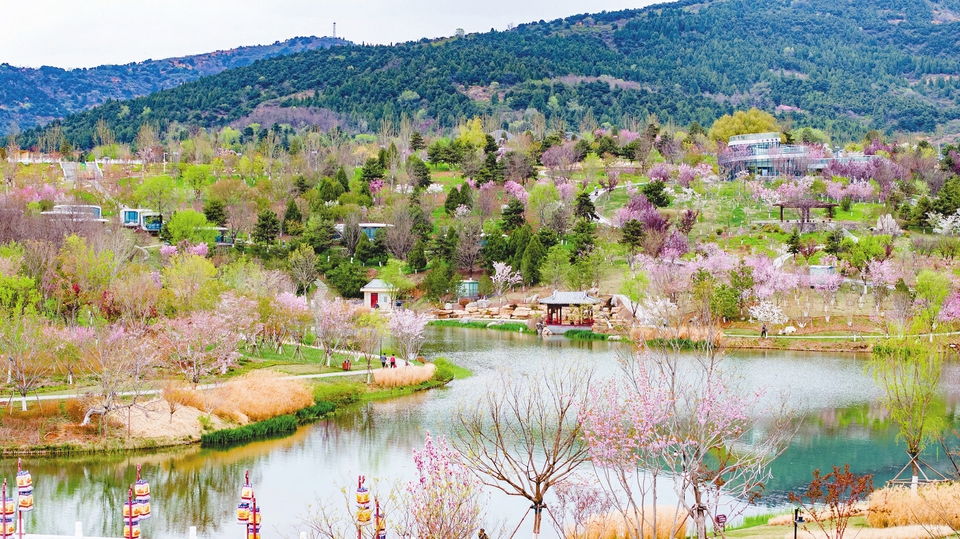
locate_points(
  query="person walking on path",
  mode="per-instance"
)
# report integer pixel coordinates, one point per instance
(482, 534)
(393, 362)
(763, 331)
(383, 360)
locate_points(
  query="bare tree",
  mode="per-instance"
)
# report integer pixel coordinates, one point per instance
(303, 267)
(470, 234)
(400, 236)
(351, 232)
(524, 438)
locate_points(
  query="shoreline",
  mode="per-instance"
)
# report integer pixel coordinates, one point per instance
(141, 444)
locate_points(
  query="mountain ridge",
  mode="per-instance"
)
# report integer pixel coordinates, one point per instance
(31, 96)
(845, 67)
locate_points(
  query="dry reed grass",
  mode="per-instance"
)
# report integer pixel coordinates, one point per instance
(937, 503)
(915, 531)
(859, 510)
(692, 333)
(403, 376)
(254, 396)
(614, 526)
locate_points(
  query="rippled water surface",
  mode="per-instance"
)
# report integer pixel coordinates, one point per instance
(200, 487)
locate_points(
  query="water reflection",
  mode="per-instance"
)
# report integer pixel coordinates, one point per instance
(200, 487)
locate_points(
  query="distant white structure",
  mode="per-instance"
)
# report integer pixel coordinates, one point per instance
(378, 294)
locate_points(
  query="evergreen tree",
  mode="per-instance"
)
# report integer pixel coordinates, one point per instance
(453, 200)
(494, 250)
(417, 259)
(341, 178)
(512, 216)
(418, 171)
(583, 238)
(585, 208)
(292, 218)
(216, 211)
(373, 169)
(330, 190)
(440, 281)
(793, 242)
(348, 279)
(318, 233)
(517, 244)
(416, 141)
(656, 193)
(533, 256)
(422, 226)
(267, 228)
(445, 246)
(631, 236)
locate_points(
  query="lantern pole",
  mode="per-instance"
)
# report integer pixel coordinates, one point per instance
(253, 516)
(4, 509)
(130, 510)
(19, 513)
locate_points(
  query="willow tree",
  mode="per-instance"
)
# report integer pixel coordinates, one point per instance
(909, 373)
(524, 436)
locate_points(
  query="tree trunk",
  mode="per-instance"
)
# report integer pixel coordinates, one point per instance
(537, 518)
(915, 480)
(23, 402)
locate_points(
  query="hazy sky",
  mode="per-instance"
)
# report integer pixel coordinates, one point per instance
(86, 33)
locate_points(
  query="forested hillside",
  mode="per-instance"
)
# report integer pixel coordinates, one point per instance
(842, 66)
(35, 96)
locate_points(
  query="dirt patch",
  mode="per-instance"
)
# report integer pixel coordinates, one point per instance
(153, 420)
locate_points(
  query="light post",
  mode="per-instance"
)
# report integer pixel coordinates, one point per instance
(797, 521)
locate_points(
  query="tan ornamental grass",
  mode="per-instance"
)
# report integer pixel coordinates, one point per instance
(932, 504)
(617, 526)
(915, 531)
(403, 376)
(252, 397)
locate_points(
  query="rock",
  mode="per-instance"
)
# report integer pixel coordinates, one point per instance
(521, 312)
(448, 306)
(472, 305)
(615, 338)
(472, 309)
(483, 303)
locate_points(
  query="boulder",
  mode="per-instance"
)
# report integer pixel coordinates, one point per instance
(483, 303)
(521, 312)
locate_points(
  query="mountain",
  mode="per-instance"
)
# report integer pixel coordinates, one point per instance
(838, 65)
(35, 96)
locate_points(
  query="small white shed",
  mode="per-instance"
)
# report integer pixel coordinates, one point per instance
(378, 294)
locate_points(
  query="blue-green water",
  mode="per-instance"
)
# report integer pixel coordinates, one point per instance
(200, 487)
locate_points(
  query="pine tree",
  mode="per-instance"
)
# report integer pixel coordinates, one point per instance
(793, 242)
(292, 218)
(417, 259)
(585, 208)
(533, 256)
(267, 228)
(341, 178)
(512, 215)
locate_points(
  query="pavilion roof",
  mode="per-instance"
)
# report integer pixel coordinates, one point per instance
(569, 298)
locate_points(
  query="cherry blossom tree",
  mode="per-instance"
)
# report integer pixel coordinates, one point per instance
(504, 277)
(446, 500)
(293, 316)
(26, 346)
(950, 311)
(682, 419)
(768, 313)
(198, 345)
(516, 190)
(119, 361)
(332, 322)
(407, 327)
(882, 275)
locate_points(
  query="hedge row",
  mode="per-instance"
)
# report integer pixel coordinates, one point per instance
(268, 428)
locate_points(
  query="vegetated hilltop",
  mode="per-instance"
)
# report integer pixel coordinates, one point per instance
(842, 66)
(30, 97)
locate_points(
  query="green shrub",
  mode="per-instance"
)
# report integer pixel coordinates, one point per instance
(444, 372)
(484, 324)
(275, 426)
(584, 335)
(681, 344)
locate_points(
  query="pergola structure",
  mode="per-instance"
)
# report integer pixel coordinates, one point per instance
(559, 300)
(805, 206)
